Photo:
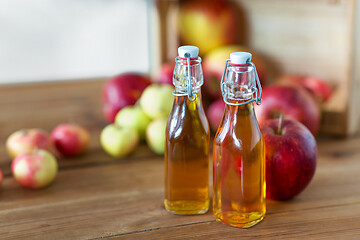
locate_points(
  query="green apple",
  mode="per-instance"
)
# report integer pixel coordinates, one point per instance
(155, 135)
(157, 100)
(133, 116)
(118, 141)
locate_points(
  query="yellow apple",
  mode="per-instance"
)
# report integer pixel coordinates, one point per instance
(207, 24)
(214, 63)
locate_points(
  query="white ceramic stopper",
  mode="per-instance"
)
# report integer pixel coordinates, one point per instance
(240, 57)
(194, 51)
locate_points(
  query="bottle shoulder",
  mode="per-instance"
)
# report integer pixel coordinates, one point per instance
(185, 120)
(238, 131)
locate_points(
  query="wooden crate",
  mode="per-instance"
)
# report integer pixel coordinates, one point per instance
(310, 37)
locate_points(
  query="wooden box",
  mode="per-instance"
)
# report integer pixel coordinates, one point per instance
(310, 37)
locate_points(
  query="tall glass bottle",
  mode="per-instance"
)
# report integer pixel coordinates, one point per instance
(238, 154)
(187, 139)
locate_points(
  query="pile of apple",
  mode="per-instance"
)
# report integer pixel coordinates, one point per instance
(214, 26)
(33, 152)
(137, 111)
(291, 151)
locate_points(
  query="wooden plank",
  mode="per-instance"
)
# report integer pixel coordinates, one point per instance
(126, 198)
(94, 156)
(314, 223)
(29, 105)
(45, 105)
(95, 196)
(303, 36)
(88, 202)
(310, 38)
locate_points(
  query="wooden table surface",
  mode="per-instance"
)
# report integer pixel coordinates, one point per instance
(95, 196)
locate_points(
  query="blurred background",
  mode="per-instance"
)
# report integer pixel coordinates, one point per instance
(291, 41)
(45, 40)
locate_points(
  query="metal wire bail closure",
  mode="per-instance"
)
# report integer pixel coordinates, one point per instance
(191, 96)
(257, 90)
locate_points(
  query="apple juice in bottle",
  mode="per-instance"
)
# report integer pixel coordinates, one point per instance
(187, 140)
(238, 154)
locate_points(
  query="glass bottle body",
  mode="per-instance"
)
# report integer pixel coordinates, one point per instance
(187, 156)
(239, 161)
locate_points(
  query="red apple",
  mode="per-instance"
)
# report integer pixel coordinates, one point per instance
(207, 24)
(25, 141)
(214, 64)
(291, 155)
(166, 73)
(70, 139)
(318, 87)
(121, 91)
(35, 170)
(215, 113)
(293, 102)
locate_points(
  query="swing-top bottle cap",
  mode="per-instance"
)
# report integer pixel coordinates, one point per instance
(240, 57)
(194, 51)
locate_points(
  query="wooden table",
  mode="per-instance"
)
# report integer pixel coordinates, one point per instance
(95, 196)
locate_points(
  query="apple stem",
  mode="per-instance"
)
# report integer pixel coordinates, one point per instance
(280, 124)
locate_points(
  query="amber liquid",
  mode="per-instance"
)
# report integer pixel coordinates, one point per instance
(187, 158)
(239, 173)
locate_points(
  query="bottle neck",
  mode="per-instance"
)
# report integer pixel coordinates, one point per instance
(181, 76)
(239, 110)
(185, 99)
(239, 85)
(184, 90)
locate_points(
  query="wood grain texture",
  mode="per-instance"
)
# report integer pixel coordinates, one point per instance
(46, 105)
(95, 196)
(312, 38)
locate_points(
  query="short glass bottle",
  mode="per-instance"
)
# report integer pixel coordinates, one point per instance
(238, 154)
(187, 140)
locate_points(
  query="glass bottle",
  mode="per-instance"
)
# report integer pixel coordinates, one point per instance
(187, 139)
(238, 154)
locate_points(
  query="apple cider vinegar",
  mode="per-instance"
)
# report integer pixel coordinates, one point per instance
(187, 140)
(238, 154)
